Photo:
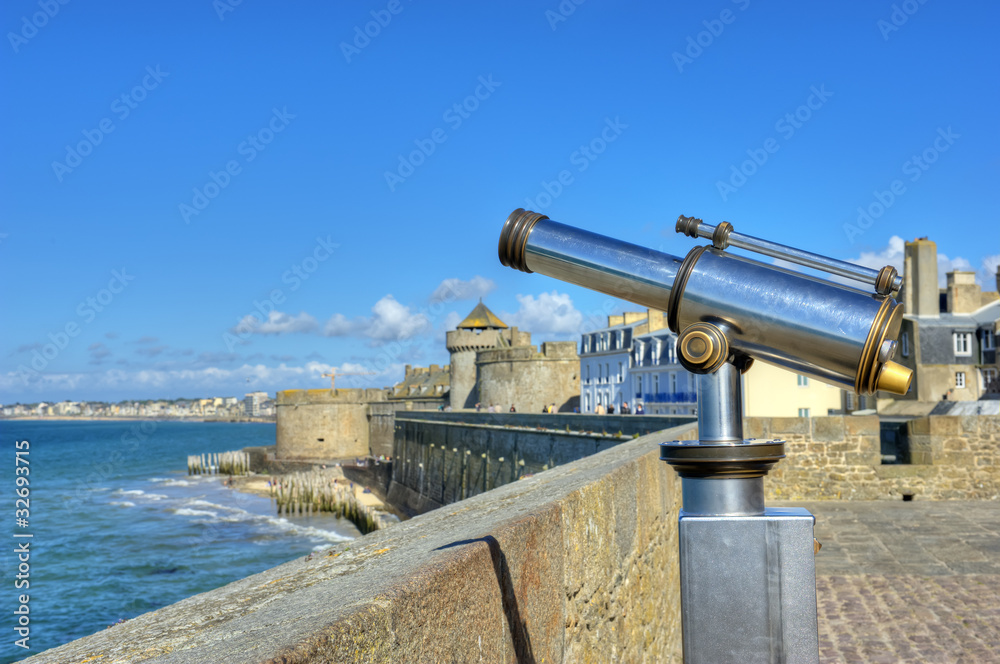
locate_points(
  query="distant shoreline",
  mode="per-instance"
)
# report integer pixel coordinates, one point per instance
(135, 418)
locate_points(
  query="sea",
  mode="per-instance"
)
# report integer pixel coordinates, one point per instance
(116, 528)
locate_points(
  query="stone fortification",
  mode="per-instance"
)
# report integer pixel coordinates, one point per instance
(323, 425)
(463, 345)
(529, 379)
(441, 458)
(839, 457)
(578, 564)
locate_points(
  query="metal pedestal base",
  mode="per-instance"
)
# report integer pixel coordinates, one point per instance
(748, 574)
(748, 588)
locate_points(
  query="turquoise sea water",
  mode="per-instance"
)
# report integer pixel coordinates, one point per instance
(119, 529)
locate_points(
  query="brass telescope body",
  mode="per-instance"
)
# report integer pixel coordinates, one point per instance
(728, 308)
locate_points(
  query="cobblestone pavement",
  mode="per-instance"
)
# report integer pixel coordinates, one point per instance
(908, 581)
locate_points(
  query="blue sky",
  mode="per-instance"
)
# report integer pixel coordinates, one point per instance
(170, 169)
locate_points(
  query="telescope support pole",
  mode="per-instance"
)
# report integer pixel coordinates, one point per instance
(747, 572)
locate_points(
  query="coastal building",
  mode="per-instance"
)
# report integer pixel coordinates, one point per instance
(422, 388)
(948, 334)
(632, 361)
(770, 391)
(252, 403)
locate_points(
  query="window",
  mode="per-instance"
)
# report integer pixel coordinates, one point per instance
(959, 379)
(607, 371)
(656, 383)
(586, 402)
(989, 340)
(639, 384)
(803, 412)
(802, 381)
(904, 342)
(673, 383)
(621, 373)
(588, 374)
(989, 376)
(963, 343)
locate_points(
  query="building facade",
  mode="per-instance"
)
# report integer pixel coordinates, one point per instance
(422, 388)
(948, 335)
(633, 361)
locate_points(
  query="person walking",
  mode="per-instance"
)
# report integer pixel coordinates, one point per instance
(512, 409)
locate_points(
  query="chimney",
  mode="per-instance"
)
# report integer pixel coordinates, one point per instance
(921, 296)
(656, 320)
(964, 296)
(616, 320)
(406, 371)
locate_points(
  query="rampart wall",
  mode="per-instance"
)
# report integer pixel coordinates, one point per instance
(576, 564)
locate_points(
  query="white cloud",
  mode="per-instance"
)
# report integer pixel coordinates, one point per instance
(276, 323)
(390, 321)
(549, 313)
(450, 290)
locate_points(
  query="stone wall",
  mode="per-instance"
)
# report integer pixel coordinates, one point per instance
(576, 564)
(441, 458)
(323, 424)
(381, 425)
(839, 457)
(529, 379)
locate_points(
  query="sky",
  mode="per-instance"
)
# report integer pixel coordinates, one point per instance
(207, 198)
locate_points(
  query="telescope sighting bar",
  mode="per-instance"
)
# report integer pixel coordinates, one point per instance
(810, 326)
(885, 281)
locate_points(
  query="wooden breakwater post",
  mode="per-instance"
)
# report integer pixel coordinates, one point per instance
(219, 463)
(314, 491)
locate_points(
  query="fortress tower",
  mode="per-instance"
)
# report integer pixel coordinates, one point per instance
(481, 330)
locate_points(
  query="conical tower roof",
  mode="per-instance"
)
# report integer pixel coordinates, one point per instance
(481, 318)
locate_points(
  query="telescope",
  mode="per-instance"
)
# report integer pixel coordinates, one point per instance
(748, 579)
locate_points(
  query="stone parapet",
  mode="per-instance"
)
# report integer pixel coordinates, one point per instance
(577, 564)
